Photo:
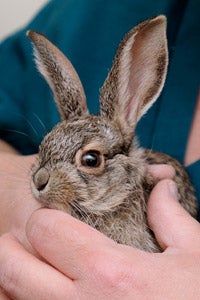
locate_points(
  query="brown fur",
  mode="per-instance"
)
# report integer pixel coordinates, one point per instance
(90, 166)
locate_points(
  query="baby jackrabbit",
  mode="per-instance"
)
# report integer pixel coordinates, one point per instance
(91, 166)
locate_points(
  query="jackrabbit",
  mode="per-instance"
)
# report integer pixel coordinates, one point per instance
(91, 166)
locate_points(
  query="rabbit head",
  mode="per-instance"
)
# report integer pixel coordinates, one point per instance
(91, 164)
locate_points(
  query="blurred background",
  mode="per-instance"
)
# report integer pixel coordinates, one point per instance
(14, 14)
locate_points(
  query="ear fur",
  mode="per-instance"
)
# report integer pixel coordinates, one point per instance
(60, 75)
(137, 75)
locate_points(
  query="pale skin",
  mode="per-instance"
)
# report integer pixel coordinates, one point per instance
(81, 263)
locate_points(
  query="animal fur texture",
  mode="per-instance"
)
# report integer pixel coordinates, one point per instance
(92, 166)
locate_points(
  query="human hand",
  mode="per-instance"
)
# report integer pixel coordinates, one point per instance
(84, 264)
(17, 203)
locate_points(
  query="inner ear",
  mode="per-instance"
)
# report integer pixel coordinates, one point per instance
(137, 75)
(143, 66)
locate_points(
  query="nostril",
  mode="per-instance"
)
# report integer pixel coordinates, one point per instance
(41, 178)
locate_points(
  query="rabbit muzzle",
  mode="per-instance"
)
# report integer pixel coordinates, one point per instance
(41, 179)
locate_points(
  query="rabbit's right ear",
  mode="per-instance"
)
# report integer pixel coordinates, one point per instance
(60, 75)
(137, 75)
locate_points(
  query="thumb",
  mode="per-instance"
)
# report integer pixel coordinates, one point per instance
(170, 222)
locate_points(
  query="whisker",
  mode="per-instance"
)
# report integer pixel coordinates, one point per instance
(7, 189)
(28, 122)
(13, 178)
(36, 133)
(85, 217)
(20, 133)
(16, 131)
(41, 123)
(21, 164)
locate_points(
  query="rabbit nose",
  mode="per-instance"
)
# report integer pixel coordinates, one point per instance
(41, 179)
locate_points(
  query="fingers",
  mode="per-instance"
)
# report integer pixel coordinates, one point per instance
(24, 277)
(3, 295)
(172, 225)
(31, 159)
(161, 171)
(99, 267)
(74, 242)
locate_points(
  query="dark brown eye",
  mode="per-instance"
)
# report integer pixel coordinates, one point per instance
(91, 159)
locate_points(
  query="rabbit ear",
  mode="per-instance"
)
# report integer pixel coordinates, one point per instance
(137, 75)
(60, 75)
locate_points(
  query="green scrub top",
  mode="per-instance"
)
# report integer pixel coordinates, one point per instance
(88, 32)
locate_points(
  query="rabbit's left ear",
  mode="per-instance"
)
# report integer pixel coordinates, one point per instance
(137, 75)
(60, 75)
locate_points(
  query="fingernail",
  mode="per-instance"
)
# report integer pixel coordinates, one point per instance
(172, 188)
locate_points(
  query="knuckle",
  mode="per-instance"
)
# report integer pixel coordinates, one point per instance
(112, 274)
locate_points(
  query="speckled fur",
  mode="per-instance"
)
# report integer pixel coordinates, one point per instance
(111, 197)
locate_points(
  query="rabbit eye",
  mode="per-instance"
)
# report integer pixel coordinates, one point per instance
(91, 159)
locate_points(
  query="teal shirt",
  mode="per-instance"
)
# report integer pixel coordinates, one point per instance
(88, 32)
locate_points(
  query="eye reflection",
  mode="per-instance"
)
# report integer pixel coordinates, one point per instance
(91, 159)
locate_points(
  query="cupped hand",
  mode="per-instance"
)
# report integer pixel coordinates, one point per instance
(81, 263)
